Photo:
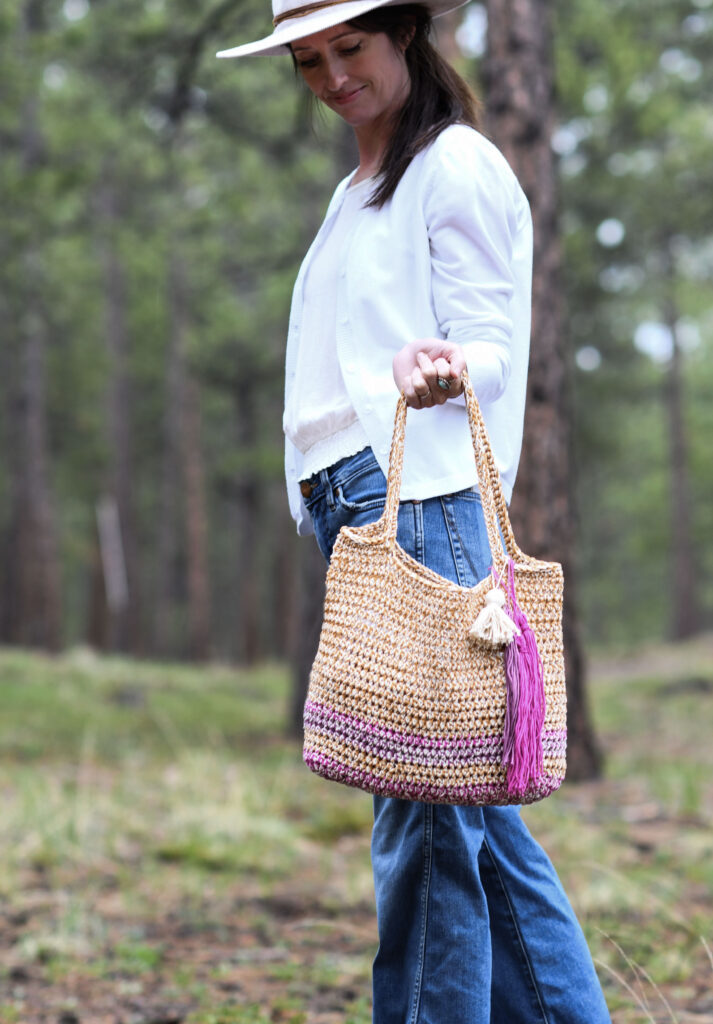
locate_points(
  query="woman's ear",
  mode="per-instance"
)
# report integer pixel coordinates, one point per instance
(406, 38)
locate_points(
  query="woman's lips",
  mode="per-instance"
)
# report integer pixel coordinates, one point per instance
(347, 97)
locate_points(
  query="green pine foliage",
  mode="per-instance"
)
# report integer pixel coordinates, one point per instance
(215, 165)
(636, 144)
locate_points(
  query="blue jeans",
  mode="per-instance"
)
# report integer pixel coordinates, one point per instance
(474, 925)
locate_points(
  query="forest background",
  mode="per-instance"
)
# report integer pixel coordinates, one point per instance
(156, 205)
(163, 857)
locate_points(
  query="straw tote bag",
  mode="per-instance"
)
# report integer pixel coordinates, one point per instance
(426, 690)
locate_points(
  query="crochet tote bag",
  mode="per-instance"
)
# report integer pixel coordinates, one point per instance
(426, 690)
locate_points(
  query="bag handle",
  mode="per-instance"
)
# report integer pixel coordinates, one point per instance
(494, 506)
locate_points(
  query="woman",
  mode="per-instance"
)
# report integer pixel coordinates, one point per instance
(421, 268)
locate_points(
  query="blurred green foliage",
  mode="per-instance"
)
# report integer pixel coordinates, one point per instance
(636, 140)
(217, 162)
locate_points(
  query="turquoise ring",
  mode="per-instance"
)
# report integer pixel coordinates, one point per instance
(444, 385)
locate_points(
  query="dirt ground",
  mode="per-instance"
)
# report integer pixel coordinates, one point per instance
(195, 887)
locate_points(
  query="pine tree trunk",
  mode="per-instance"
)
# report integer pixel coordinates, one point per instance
(286, 617)
(248, 494)
(519, 94)
(183, 496)
(446, 27)
(168, 569)
(686, 617)
(98, 615)
(33, 613)
(34, 575)
(125, 632)
(196, 519)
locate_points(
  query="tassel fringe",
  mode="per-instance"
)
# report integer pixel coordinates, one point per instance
(493, 625)
(525, 711)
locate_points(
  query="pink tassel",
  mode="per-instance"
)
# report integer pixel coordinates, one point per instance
(512, 676)
(525, 712)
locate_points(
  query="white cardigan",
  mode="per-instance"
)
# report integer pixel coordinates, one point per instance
(449, 256)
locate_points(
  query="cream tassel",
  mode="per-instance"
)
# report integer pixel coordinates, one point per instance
(493, 625)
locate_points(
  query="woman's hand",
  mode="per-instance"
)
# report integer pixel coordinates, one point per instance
(419, 365)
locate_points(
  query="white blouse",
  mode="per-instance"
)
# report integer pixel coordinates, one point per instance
(320, 419)
(449, 256)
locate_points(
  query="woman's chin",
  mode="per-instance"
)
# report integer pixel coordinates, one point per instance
(355, 112)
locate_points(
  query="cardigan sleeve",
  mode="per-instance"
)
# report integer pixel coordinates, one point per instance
(472, 204)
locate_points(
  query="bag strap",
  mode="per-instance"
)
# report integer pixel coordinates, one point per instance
(491, 493)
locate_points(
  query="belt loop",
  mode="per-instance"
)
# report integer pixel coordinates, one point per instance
(328, 491)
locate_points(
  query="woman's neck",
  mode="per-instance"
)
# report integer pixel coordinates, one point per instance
(374, 137)
(372, 145)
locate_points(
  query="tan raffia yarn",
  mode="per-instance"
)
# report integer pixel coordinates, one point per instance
(404, 700)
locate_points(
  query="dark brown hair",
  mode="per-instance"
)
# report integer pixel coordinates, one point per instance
(439, 97)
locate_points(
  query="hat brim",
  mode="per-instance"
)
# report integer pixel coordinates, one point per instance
(292, 29)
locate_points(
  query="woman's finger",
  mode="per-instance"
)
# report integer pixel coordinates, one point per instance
(417, 392)
(433, 372)
(428, 370)
(449, 372)
(413, 400)
(419, 383)
(442, 372)
(443, 369)
(436, 395)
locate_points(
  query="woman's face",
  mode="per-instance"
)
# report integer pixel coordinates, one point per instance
(361, 76)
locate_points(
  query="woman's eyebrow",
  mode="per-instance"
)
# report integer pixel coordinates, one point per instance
(332, 40)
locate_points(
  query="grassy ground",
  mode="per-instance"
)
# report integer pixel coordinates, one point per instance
(164, 857)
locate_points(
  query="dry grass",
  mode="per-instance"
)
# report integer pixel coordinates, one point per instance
(164, 855)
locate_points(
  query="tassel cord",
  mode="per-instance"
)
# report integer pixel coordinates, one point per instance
(525, 710)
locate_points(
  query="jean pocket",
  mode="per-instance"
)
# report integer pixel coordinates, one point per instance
(363, 490)
(468, 536)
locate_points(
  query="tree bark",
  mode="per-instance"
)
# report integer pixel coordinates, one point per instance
(199, 617)
(446, 27)
(183, 498)
(169, 569)
(248, 493)
(34, 618)
(285, 573)
(33, 615)
(125, 629)
(520, 111)
(686, 616)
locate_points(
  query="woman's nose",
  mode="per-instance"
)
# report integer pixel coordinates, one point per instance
(335, 75)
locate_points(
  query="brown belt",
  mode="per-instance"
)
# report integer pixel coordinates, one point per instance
(306, 487)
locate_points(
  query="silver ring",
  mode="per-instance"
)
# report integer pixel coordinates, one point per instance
(444, 385)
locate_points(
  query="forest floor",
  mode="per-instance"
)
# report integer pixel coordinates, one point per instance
(164, 856)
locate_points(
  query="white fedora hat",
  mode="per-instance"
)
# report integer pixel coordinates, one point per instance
(294, 19)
